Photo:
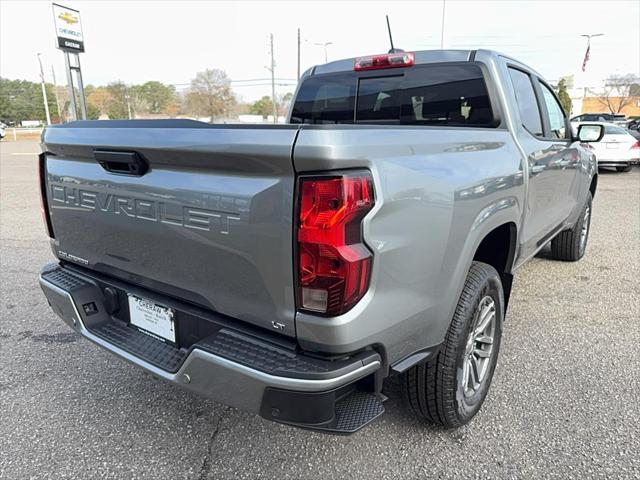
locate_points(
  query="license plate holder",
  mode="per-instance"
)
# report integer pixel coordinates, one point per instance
(152, 318)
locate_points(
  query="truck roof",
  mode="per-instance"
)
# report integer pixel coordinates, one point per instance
(421, 57)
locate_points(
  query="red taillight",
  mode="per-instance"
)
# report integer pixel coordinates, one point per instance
(636, 145)
(333, 262)
(390, 60)
(44, 210)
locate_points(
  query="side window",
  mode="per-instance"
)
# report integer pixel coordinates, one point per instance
(556, 116)
(526, 99)
(613, 130)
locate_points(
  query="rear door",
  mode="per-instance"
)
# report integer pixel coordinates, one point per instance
(205, 218)
(551, 164)
(558, 136)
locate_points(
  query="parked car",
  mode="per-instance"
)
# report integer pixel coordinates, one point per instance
(633, 124)
(618, 148)
(288, 270)
(2, 132)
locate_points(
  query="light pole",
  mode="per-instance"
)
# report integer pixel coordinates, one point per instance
(55, 91)
(324, 45)
(298, 53)
(442, 26)
(44, 92)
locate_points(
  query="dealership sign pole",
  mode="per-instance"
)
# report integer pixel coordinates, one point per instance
(71, 41)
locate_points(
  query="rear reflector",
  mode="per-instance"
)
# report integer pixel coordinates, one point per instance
(333, 262)
(389, 60)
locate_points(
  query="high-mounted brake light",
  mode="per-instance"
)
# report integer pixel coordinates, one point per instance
(333, 262)
(388, 60)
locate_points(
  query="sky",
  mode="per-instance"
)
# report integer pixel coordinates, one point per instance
(170, 41)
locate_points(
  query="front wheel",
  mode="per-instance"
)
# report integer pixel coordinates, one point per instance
(450, 389)
(624, 169)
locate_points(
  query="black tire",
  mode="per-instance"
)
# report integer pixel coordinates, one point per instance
(435, 390)
(568, 245)
(624, 169)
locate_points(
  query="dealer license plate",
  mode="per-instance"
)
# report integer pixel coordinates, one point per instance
(154, 319)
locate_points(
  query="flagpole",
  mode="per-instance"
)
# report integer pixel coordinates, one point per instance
(586, 55)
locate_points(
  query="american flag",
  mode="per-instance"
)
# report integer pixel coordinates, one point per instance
(586, 58)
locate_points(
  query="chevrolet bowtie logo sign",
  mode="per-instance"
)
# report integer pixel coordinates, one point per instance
(68, 18)
(68, 25)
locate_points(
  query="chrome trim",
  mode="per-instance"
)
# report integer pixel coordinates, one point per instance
(191, 370)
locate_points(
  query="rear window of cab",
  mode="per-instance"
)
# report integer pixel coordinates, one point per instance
(438, 94)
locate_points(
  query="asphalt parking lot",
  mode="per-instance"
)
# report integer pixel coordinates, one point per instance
(564, 401)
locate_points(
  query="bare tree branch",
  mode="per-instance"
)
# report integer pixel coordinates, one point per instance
(616, 93)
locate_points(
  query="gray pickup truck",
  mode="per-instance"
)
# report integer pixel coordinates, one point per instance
(288, 270)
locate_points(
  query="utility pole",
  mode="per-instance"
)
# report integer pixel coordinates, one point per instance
(55, 91)
(298, 53)
(442, 26)
(273, 82)
(44, 92)
(126, 97)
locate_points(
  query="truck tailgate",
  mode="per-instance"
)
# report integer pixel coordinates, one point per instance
(209, 222)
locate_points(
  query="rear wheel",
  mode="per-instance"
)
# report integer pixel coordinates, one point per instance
(624, 169)
(450, 389)
(570, 245)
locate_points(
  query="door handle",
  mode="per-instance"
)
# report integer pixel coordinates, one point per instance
(122, 163)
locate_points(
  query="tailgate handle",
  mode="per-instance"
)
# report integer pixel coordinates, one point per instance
(123, 163)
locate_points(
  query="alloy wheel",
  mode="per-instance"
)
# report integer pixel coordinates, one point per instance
(479, 347)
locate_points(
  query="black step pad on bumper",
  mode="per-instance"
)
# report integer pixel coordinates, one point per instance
(341, 411)
(354, 412)
(162, 355)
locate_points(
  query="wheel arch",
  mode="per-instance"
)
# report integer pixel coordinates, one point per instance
(498, 249)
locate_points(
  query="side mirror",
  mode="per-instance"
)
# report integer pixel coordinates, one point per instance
(590, 133)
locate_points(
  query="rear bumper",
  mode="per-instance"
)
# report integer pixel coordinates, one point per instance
(228, 366)
(615, 163)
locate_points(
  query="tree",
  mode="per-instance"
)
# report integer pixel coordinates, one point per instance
(283, 102)
(137, 101)
(22, 100)
(617, 91)
(210, 94)
(563, 96)
(263, 107)
(157, 96)
(117, 106)
(100, 97)
(93, 112)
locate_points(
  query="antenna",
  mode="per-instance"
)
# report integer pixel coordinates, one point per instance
(390, 37)
(393, 49)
